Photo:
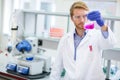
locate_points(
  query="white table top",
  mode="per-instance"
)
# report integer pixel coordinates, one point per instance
(111, 54)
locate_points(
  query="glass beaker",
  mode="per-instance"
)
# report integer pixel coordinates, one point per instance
(89, 25)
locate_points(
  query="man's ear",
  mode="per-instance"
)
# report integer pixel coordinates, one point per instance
(71, 18)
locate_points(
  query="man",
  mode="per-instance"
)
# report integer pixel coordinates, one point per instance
(79, 52)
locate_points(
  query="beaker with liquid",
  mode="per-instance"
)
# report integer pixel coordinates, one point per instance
(89, 25)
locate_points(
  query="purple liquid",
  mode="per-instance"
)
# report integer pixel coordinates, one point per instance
(89, 26)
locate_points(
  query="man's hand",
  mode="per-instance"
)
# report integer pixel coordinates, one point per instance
(96, 16)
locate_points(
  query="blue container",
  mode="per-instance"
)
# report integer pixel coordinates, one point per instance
(23, 70)
(11, 66)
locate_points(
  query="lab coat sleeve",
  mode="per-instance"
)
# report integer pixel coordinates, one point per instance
(58, 65)
(109, 42)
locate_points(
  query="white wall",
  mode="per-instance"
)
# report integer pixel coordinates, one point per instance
(1, 9)
(0, 19)
(117, 24)
(63, 6)
(7, 9)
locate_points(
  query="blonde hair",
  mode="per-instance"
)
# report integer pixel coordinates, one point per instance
(78, 5)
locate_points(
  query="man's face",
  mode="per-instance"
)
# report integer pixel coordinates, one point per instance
(79, 18)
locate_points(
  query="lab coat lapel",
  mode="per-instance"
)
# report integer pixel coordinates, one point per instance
(71, 42)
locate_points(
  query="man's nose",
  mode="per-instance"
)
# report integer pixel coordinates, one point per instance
(81, 19)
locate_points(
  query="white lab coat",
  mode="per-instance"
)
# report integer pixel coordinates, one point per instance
(88, 64)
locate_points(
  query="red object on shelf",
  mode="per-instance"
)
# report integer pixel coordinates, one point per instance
(56, 32)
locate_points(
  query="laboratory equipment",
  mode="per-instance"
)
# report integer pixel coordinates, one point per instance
(24, 45)
(11, 66)
(113, 69)
(31, 62)
(31, 67)
(26, 57)
(111, 54)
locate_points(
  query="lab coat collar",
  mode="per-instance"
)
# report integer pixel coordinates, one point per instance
(75, 33)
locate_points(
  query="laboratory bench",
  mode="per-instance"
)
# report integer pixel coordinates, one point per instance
(5, 75)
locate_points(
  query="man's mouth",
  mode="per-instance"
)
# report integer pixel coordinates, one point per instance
(81, 25)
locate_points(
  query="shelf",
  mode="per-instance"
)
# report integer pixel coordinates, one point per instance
(46, 13)
(35, 20)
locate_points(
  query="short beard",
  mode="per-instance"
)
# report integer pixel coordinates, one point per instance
(80, 27)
